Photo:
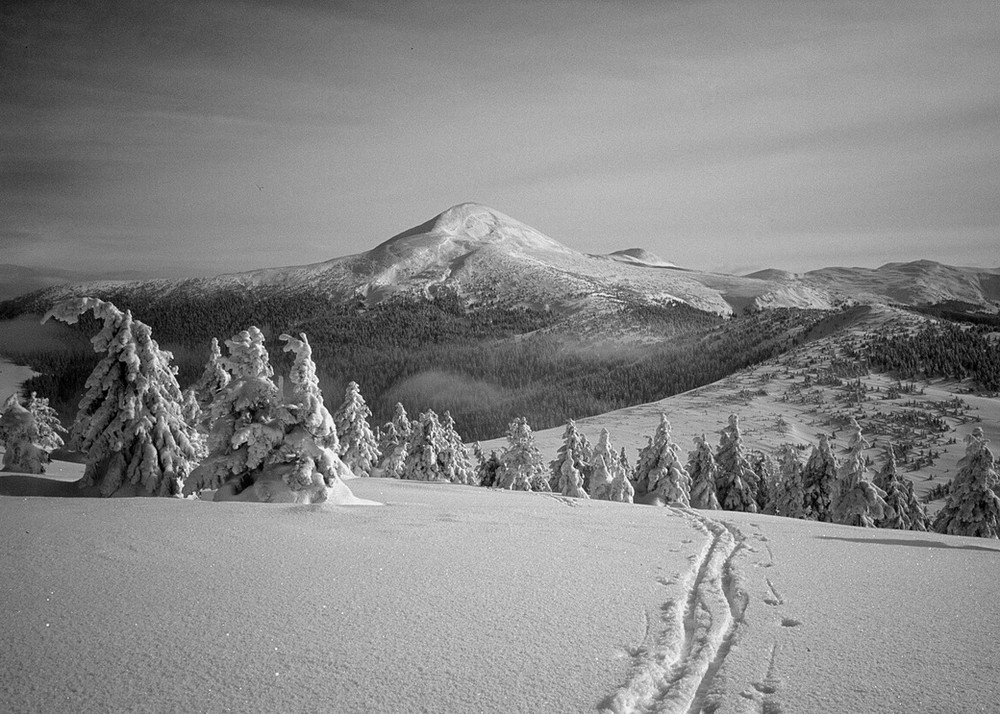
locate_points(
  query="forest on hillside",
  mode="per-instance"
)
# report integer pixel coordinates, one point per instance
(484, 365)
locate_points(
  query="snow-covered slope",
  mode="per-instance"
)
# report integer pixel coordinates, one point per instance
(460, 599)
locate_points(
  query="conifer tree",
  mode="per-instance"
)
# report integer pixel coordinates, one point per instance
(489, 467)
(973, 507)
(456, 461)
(859, 502)
(394, 443)
(622, 490)
(649, 456)
(358, 447)
(28, 434)
(266, 448)
(603, 450)
(764, 470)
(819, 478)
(213, 378)
(427, 440)
(736, 480)
(521, 465)
(703, 471)
(572, 449)
(897, 507)
(789, 499)
(666, 481)
(570, 480)
(626, 467)
(600, 480)
(129, 422)
(917, 511)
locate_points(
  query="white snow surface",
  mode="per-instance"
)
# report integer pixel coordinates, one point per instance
(461, 599)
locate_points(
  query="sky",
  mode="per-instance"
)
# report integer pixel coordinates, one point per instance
(191, 138)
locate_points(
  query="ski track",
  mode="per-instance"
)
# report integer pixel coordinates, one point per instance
(676, 667)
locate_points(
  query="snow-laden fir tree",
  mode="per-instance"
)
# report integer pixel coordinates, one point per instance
(622, 489)
(819, 480)
(765, 471)
(427, 440)
(129, 422)
(488, 468)
(28, 434)
(604, 449)
(703, 471)
(789, 493)
(572, 449)
(521, 465)
(213, 378)
(897, 507)
(735, 485)
(394, 443)
(570, 480)
(667, 481)
(358, 447)
(265, 448)
(601, 479)
(456, 460)
(858, 502)
(917, 510)
(973, 507)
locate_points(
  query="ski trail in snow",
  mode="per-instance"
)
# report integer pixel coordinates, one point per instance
(675, 674)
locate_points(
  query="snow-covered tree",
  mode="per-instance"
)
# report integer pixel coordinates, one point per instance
(819, 479)
(626, 467)
(789, 493)
(129, 422)
(897, 507)
(28, 434)
(858, 502)
(521, 465)
(456, 461)
(622, 489)
(213, 378)
(358, 447)
(973, 507)
(649, 456)
(570, 480)
(603, 450)
(427, 440)
(394, 443)
(488, 468)
(736, 481)
(600, 479)
(265, 448)
(703, 471)
(660, 474)
(765, 471)
(572, 449)
(917, 510)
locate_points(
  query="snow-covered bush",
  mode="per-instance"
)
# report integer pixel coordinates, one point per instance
(702, 469)
(819, 479)
(130, 422)
(858, 502)
(736, 482)
(521, 465)
(264, 448)
(973, 507)
(358, 447)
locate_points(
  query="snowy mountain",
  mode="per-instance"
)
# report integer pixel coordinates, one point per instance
(489, 258)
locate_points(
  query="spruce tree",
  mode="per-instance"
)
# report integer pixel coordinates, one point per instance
(897, 506)
(570, 480)
(622, 490)
(789, 499)
(489, 467)
(819, 479)
(456, 461)
(213, 378)
(666, 480)
(521, 465)
(427, 440)
(394, 444)
(572, 449)
(973, 507)
(649, 456)
(129, 422)
(358, 447)
(603, 450)
(859, 502)
(702, 469)
(736, 480)
(917, 510)
(600, 480)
